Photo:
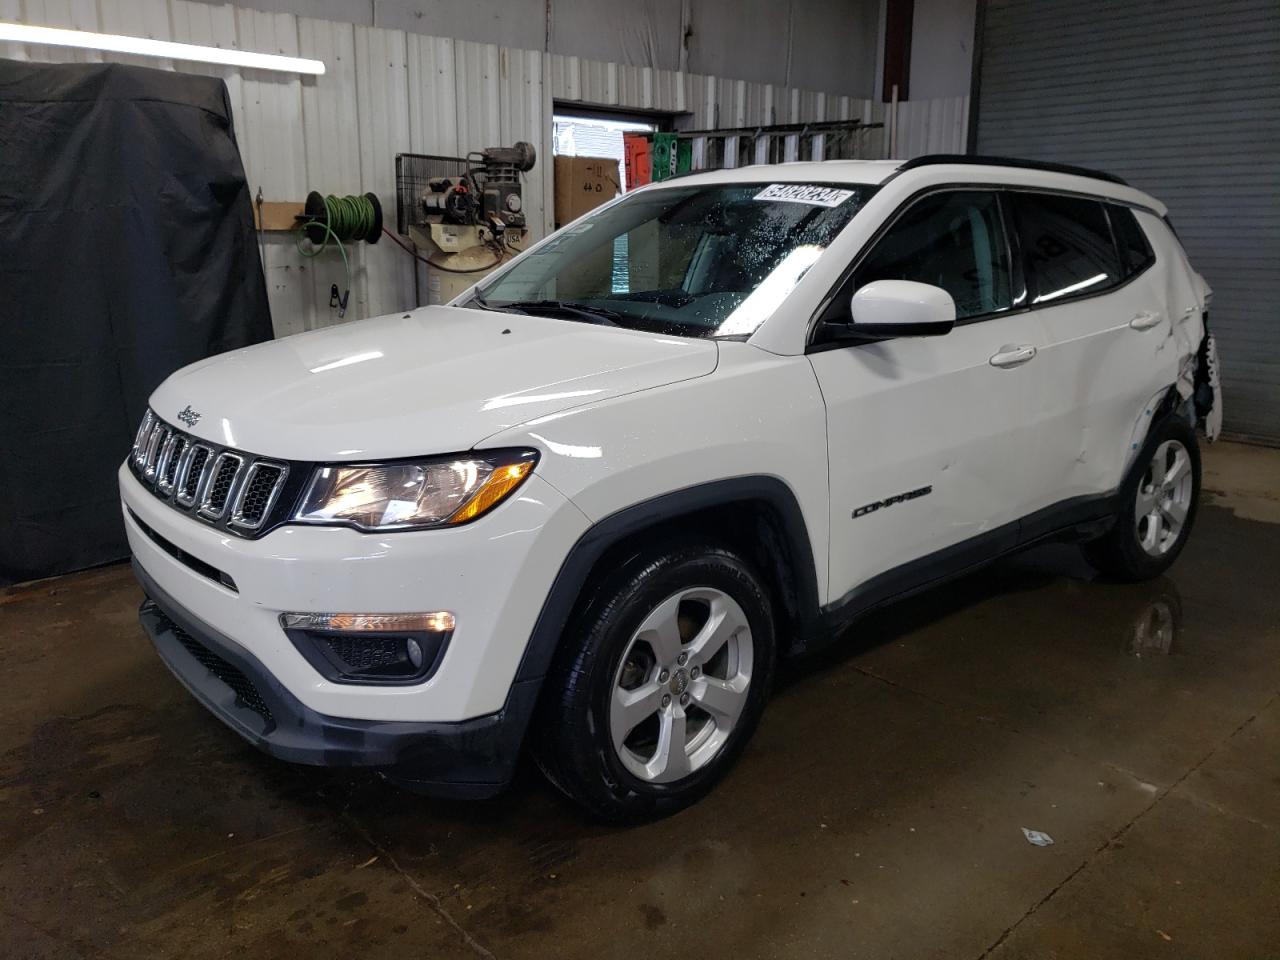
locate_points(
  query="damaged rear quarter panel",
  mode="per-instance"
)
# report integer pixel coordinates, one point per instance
(1103, 373)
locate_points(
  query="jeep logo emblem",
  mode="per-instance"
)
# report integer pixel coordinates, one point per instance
(188, 416)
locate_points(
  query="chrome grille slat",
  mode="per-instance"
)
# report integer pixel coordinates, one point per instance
(158, 436)
(142, 437)
(170, 455)
(262, 483)
(190, 474)
(220, 484)
(222, 487)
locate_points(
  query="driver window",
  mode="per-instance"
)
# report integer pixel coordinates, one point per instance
(952, 240)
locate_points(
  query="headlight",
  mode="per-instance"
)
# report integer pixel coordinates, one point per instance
(426, 493)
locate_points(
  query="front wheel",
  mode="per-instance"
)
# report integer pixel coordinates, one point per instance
(659, 684)
(1157, 511)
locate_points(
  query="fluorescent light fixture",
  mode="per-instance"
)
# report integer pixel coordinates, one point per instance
(141, 46)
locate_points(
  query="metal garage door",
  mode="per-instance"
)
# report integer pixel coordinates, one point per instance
(1182, 99)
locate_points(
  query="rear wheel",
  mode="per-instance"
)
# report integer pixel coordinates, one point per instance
(659, 684)
(1158, 509)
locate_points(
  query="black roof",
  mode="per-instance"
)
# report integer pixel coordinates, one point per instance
(936, 158)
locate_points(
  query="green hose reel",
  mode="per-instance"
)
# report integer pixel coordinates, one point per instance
(342, 221)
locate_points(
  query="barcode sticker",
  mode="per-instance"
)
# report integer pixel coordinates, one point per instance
(804, 193)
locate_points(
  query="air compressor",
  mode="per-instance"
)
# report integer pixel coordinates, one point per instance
(466, 214)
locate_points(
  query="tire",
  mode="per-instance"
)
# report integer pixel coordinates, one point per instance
(1158, 509)
(678, 641)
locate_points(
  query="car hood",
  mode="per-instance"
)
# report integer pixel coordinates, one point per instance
(435, 380)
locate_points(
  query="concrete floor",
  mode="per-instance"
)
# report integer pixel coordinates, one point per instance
(878, 812)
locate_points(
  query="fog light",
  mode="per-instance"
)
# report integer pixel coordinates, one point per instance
(371, 648)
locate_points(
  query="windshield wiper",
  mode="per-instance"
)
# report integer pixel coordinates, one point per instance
(580, 311)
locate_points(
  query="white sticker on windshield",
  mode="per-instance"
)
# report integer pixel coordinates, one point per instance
(804, 193)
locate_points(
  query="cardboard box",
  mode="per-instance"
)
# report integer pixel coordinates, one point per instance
(582, 184)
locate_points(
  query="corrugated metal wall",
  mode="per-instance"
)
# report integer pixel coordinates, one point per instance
(1182, 98)
(387, 91)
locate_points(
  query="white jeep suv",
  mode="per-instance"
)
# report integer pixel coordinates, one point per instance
(586, 507)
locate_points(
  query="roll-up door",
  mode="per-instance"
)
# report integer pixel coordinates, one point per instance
(1182, 99)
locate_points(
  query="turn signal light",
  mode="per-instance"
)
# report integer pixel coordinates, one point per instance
(501, 482)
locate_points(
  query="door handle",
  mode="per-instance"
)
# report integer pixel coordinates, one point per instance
(1145, 320)
(1013, 355)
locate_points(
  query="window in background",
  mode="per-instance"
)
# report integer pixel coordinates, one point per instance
(603, 138)
(595, 137)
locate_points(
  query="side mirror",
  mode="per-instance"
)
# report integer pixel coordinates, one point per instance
(901, 308)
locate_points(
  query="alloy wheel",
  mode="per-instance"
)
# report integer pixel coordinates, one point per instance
(681, 685)
(1163, 499)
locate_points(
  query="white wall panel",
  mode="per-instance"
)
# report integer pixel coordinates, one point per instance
(525, 112)
(70, 14)
(433, 101)
(274, 159)
(477, 78)
(387, 91)
(932, 126)
(331, 149)
(137, 18)
(383, 120)
(12, 10)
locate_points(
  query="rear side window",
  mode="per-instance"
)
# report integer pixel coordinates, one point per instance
(1066, 246)
(1135, 250)
(951, 240)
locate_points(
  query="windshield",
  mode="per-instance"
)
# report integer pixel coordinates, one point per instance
(709, 260)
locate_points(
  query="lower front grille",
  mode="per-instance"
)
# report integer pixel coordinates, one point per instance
(247, 694)
(365, 655)
(175, 551)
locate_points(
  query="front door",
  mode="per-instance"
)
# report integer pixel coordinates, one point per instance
(927, 436)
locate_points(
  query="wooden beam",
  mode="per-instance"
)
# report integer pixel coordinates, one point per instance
(277, 214)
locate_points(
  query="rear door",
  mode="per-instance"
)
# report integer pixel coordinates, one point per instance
(928, 437)
(1093, 283)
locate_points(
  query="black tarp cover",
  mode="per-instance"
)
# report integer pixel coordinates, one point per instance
(127, 250)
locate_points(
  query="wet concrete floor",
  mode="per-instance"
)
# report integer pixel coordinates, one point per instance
(877, 813)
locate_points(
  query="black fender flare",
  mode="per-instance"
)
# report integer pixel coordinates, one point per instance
(580, 562)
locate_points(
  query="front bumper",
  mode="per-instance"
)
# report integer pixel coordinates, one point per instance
(493, 575)
(473, 758)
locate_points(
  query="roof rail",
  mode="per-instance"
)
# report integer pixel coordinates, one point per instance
(936, 158)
